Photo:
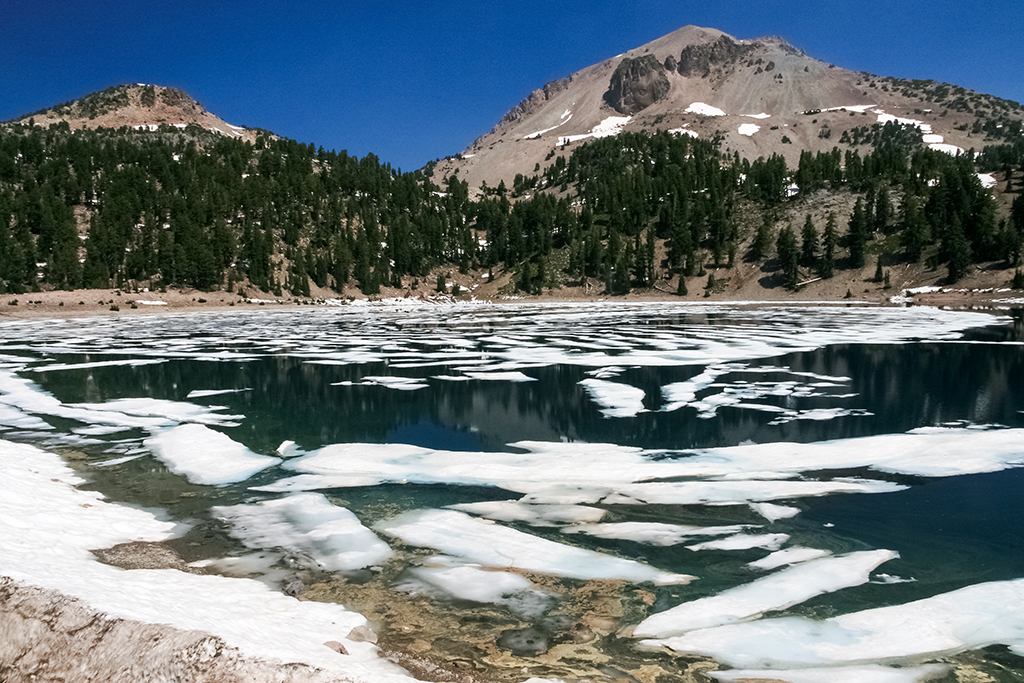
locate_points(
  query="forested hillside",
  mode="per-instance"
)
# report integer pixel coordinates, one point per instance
(189, 207)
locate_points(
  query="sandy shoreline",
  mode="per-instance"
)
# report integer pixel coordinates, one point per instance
(112, 302)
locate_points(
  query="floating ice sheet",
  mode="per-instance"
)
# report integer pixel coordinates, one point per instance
(493, 545)
(616, 399)
(780, 590)
(651, 533)
(869, 673)
(600, 472)
(172, 411)
(773, 512)
(307, 524)
(205, 456)
(743, 542)
(787, 556)
(534, 515)
(475, 584)
(972, 617)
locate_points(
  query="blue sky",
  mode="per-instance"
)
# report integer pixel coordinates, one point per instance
(414, 81)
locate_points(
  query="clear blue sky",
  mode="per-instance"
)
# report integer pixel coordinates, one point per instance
(414, 81)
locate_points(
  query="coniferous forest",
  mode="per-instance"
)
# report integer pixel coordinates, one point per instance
(187, 207)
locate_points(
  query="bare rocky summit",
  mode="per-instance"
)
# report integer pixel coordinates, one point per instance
(137, 106)
(760, 97)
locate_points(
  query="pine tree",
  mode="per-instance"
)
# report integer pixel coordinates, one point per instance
(857, 238)
(827, 263)
(809, 243)
(958, 250)
(789, 257)
(914, 232)
(761, 246)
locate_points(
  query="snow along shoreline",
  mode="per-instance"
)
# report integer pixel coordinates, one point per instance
(207, 626)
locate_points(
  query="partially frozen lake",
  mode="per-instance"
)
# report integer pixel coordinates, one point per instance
(554, 492)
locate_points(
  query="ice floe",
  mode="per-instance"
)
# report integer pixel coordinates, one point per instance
(534, 515)
(743, 542)
(130, 362)
(616, 399)
(203, 393)
(868, 673)
(651, 533)
(170, 411)
(49, 526)
(778, 591)
(773, 512)
(492, 545)
(205, 456)
(787, 556)
(972, 617)
(471, 582)
(599, 472)
(307, 524)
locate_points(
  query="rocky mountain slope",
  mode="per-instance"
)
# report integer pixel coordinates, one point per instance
(137, 106)
(760, 96)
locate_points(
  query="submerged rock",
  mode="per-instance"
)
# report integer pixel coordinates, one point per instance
(524, 642)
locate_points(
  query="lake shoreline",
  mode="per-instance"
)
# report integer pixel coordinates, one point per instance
(112, 302)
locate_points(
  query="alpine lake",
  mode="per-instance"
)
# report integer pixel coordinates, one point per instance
(542, 479)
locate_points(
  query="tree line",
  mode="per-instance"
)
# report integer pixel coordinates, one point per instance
(107, 208)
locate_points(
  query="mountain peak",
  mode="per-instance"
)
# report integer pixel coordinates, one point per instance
(758, 97)
(136, 105)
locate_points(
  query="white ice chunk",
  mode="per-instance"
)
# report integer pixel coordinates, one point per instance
(868, 673)
(616, 399)
(600, 472)
(651, 533)
(743, 542)
(176, 411)
(787, 556)
(512, 376)
(493, 545)
(773, 512)
(202, 393)
(972, 617)
(473, 583)
(534, 515)
(400, 383)
(205, 456)
(129, 362)
(780, 590)
(307, 523)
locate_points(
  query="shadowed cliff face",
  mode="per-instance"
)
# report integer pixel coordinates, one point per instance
(637, 84)
(696, 60)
